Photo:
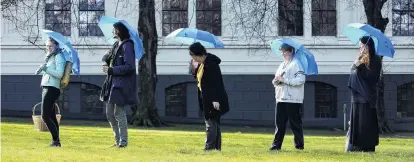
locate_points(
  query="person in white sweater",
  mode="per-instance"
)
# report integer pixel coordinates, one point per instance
(289, 84)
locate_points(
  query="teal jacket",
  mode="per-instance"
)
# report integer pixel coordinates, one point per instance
(54, 71)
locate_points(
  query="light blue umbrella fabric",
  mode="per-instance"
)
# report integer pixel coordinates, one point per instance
(383, 45)
(68, 51)
(106, 24)
(189, 36)
(303, 55)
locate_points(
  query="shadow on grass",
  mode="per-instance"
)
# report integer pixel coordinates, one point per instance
(195, 128)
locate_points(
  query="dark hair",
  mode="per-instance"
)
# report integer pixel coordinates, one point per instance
(197, 49)
(370, 43)
(286, 47)
(54, 41)
(123, 31)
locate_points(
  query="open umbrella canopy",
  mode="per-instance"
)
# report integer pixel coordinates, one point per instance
(106, 24)
(69, 52)
(303, 55)
(189, 36)
(383, 45)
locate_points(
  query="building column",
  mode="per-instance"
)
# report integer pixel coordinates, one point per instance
(192, 16)
(307, 19)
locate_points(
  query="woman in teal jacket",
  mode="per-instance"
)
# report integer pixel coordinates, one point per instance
(52, 71)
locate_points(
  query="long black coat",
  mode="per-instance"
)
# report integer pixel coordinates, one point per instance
(212, 88)
(364, 131)
(364, 80)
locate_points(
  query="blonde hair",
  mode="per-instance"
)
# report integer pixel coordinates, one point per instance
(364, 58)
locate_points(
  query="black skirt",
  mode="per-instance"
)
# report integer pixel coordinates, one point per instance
(363, 131)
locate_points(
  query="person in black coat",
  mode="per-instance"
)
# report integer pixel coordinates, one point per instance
(212, 96)
(363, 133)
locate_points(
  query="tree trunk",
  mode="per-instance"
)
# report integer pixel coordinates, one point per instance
(375, 19)
(145, 113)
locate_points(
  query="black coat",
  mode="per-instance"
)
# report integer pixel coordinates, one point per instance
(365, 80)
(212, 88)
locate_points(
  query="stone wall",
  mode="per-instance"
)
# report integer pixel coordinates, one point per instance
(251, 99)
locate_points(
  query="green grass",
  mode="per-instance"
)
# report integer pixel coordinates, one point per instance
(89, 141)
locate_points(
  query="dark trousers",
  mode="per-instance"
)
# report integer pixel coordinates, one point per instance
(288, 111)
(213, 139)
(363, 128)
(49, 97)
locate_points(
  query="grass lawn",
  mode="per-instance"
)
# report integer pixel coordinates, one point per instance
(90, 141)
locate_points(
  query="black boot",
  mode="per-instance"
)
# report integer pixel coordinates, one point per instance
(275, 147)
(55, 144)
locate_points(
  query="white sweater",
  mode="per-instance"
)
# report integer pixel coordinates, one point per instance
(292, 88)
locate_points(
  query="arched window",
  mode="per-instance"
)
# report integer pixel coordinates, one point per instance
(405, 100)
(325, 100)
(90, 102)
(176, 100)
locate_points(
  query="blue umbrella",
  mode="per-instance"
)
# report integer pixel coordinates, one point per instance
(191, 35)
(106, 24)
(303, 55)
(383, 45)
(68, 51)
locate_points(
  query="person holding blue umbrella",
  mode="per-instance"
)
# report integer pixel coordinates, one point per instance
(289, 84)
(70, 54)
(212, 95)
(52, 71)
(119, 89)
(61, 60)
(363, 133)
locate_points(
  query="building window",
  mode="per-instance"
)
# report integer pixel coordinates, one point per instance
(174, 15)
(324, 17)
(325, 100)
(58, 16)
(405, 100)
(209, 16)
(89, 97)
(403, 18)
(176, 100)
(90, 11)
(290, 17)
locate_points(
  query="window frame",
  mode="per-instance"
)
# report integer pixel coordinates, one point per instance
(320, 11)
(62, 10)
(214, 9)
(400, 98)
(299, 11)
(87, 23)
(182, 10)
